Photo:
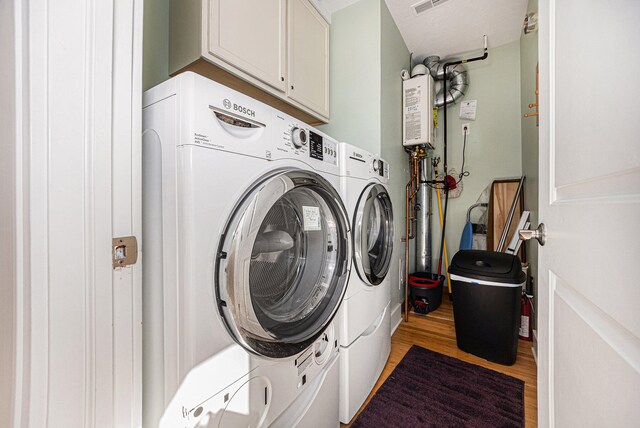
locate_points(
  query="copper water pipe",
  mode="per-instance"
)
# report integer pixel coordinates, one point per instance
(407, 205)
(415, 174)
(410, 193)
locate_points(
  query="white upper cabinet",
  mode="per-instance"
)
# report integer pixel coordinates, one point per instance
(308, 56)
(276, 51)
(251, 34)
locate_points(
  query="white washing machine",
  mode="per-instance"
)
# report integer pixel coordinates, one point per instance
(365, 326)
(247, 250)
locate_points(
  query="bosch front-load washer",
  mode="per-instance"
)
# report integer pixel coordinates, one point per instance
(247, 250)
(365, 325)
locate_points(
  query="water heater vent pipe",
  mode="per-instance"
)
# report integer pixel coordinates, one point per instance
(458, 80)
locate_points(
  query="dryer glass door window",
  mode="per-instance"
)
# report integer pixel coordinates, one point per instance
(373, 234)
(286, 265)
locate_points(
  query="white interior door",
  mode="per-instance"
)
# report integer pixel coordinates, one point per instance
(75, 118)
(589, 323)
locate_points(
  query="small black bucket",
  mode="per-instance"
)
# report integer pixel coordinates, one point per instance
(426, 291)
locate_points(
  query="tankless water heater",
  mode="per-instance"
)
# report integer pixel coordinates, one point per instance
(418, 126)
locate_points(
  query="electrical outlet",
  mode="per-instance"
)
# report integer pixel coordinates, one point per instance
(466, 128)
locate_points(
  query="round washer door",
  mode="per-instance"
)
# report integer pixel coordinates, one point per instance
(283, 263)
(373, 234)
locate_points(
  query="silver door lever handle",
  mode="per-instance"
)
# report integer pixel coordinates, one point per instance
(540, 234)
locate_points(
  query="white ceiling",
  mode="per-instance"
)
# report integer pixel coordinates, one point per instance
(331, 6)
(453, 27)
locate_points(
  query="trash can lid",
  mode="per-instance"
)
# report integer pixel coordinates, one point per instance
(488, 266)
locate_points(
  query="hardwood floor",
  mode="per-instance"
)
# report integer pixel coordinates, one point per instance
(436, 332)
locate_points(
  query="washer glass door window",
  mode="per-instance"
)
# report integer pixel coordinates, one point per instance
(373, 234)
(283, 264)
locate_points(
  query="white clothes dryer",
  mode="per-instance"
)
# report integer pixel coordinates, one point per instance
(247, 251)
(364, 320)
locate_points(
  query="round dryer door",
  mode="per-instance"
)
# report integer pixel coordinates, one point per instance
(283, 263)
(373, 234)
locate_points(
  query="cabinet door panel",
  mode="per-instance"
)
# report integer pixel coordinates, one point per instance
(308, 57)
(250, 35)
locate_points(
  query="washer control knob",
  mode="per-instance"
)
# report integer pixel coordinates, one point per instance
(299, 137)
(376, 165)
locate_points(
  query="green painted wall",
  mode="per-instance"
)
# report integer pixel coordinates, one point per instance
(367, 56)
(155, 56)
(354, 75)
(394, 58)
(494, 142)
(528, 62)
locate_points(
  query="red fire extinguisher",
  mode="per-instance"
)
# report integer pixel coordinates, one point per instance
(526, 324)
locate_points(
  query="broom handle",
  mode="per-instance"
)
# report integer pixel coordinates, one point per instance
(444, 243)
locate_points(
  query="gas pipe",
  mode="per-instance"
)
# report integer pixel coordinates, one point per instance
(526, 326)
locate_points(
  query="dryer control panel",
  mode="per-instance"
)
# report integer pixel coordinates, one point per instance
(359, 163)
(380, 168)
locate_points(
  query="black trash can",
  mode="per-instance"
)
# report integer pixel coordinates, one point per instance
(487, 287)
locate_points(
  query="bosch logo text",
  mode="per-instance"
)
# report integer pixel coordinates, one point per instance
(237, 107)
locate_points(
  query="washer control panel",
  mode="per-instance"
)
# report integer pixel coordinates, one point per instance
(297, 140)
(322, 149)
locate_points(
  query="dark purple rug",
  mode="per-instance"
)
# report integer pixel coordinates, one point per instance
(428, 389)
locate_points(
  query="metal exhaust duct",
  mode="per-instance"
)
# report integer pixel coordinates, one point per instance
(458, 80)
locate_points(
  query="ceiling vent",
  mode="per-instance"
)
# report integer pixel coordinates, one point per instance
(425, 5)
